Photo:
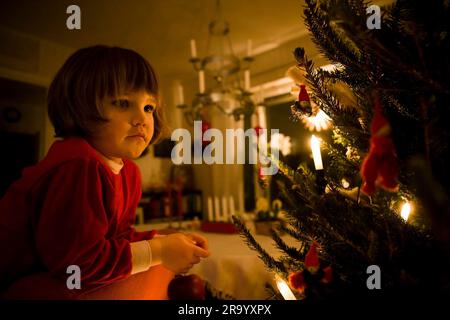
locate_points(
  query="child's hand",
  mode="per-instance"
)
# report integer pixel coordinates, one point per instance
(178, 251)
(199, 240)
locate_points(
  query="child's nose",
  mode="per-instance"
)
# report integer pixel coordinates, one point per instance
(139, 116)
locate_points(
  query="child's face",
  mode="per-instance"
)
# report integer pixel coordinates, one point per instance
(130, 127)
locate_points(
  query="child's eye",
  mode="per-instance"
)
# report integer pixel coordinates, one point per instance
(149, 108)
(121, 103)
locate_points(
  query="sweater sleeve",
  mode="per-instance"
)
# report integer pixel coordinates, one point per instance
(73, 224)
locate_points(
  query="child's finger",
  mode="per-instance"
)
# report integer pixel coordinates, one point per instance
(200, 240)
(201, 253)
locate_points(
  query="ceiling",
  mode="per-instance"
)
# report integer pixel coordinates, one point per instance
(159, 29)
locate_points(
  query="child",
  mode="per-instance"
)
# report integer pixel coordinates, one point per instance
(77, 206)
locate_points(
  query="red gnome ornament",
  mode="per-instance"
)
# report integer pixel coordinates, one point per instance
(312, 259)
(380, 165)
(303, 103)
(313, 275)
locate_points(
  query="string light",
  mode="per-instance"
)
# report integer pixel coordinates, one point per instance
(284, 289)
(406, 210)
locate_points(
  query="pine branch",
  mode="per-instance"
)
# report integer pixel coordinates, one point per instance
(292, 252)
(253, 244)
(325, 37)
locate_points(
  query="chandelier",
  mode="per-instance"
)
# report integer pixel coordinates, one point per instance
(226, 91)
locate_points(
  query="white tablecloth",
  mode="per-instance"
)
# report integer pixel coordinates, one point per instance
(233, 267)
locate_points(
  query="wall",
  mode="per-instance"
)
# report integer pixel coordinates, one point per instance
(34, 61)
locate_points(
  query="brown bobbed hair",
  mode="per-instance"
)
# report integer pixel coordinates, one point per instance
(87, 77)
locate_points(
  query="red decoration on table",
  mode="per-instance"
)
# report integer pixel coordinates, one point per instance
(190, 287)
(380, 165)
(218, 227)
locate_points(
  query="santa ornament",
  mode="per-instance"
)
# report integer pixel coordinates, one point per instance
(312, 276)
(380, 167)
(304, 109)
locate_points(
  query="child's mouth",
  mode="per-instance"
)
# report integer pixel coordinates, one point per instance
(137, 137)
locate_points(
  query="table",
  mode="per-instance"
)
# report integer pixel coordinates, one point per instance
(233, 267)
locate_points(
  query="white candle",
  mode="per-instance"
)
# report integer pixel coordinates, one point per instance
(406, 210)
(210, 210)
(284, 289)
(231, 206)
(247, 79)
(180, 94)
(224, 209)
(315, 147)
(249, 47)
(193, 49)
(201, 81)
(262, 117)
(241, 201)
(217, 209)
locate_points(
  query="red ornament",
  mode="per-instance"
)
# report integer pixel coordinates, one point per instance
(205, 127)
(303, 102)
(258, 130)
(190, 287)
(380, 165)
(297, 281)
(260, 172)
(327, 275)
(312, 259)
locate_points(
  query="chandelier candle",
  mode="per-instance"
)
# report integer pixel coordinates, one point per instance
(261, 111)
(180, 95)
(201, 81)
(247, 79)
(193, 49)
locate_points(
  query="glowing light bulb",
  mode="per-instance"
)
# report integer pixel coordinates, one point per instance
(345, 183)
(284, 289)
(406, 210)
(315, 147)
(320, 121)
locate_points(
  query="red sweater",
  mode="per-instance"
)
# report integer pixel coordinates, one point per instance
(70, 209)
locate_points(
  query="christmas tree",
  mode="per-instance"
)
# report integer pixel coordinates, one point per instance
(388, 100)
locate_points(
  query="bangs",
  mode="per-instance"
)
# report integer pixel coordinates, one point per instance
(123, 70)
(87, 77)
